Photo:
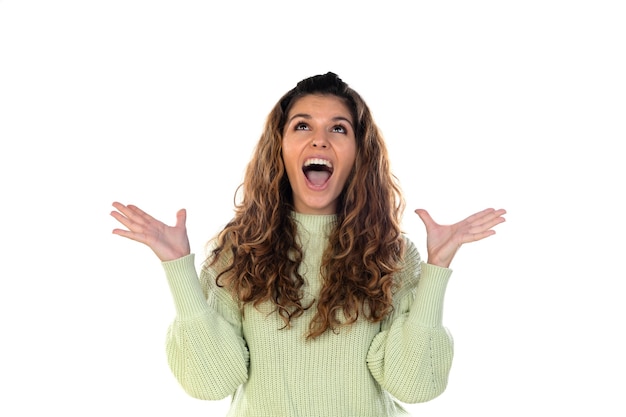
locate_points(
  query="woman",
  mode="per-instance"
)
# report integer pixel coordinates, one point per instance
(312, 302)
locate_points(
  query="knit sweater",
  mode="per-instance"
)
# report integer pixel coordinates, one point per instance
(362, 370)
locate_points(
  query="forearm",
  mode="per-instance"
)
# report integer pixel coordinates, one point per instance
(206, 357)
(412, 358)
(205, 349)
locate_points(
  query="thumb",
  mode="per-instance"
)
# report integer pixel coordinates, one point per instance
(181, 218)
(423, 214)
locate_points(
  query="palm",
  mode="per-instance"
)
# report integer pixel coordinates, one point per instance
(443, 241)
(167, 242)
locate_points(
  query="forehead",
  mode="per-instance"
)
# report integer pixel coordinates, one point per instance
(320, 105)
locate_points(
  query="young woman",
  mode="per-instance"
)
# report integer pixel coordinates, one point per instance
(312, 302)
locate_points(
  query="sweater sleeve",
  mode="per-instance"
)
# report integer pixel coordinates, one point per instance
(412, 355)
(205, 347)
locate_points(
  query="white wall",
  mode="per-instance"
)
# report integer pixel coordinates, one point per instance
(517, 105)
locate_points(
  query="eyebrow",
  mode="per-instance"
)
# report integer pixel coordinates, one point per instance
(308, 116)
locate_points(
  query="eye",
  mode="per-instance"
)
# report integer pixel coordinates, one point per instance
(301, 126)
(339, 129)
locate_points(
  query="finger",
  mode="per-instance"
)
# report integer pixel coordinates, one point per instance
(140, 215)
(425, 216)
(476, 217)
(129, 217)
(489, 220)
(181, 218)
(485, 216)
(492, 213)
(118, 206)
(474, 237)
(129, 211)
(122, 219)
(483, 230)
(137, 237)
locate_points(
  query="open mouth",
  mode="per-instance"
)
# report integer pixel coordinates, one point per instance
(317, 171)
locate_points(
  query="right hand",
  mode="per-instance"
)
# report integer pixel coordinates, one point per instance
(167, 242)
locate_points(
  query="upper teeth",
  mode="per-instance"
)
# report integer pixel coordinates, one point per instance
(317, 161)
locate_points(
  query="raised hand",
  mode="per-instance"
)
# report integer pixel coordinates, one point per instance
(167, 242)
(443, 241)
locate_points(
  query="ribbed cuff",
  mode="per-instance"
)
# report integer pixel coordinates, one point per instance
(182, 278)
(427, 310)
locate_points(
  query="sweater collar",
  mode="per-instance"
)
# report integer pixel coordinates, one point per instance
(315, 224)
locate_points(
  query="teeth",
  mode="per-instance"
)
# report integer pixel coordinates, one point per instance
(317, 161)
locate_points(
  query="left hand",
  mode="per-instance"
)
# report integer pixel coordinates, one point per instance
(443, 241)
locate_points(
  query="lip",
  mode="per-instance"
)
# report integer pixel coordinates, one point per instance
(308, 183)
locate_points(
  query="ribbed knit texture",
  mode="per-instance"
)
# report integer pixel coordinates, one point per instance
(363, 371)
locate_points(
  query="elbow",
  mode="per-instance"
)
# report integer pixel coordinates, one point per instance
(205, 394)
(210, 390)
(208, 381)
(420, 395)
(212, 386)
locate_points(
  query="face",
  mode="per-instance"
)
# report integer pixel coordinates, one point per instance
(319, 150)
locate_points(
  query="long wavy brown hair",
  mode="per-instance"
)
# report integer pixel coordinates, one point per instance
(258, 247)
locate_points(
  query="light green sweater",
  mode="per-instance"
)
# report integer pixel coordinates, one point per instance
(363, 371)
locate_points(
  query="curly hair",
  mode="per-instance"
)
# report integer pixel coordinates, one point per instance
(365, 247)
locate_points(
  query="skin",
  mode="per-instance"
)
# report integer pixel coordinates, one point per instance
(443, 241)
(320, 127)
(172, 242)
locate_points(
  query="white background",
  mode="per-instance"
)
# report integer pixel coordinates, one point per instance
(519, 105)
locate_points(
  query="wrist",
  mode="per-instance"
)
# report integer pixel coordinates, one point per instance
(434, 259)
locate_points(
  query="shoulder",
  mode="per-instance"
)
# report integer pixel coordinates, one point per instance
(218, 292)
(411, 258)
(407, 277)
(212, 266)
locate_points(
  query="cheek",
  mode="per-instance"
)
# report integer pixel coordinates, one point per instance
(348, 169)
(353, 167)
(351, 155)
(289, 165)
(287, 156)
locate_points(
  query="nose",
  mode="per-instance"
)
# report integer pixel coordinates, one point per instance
(320, 141)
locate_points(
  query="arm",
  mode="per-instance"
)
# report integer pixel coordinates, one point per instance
(412, 355)
(205, 347)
